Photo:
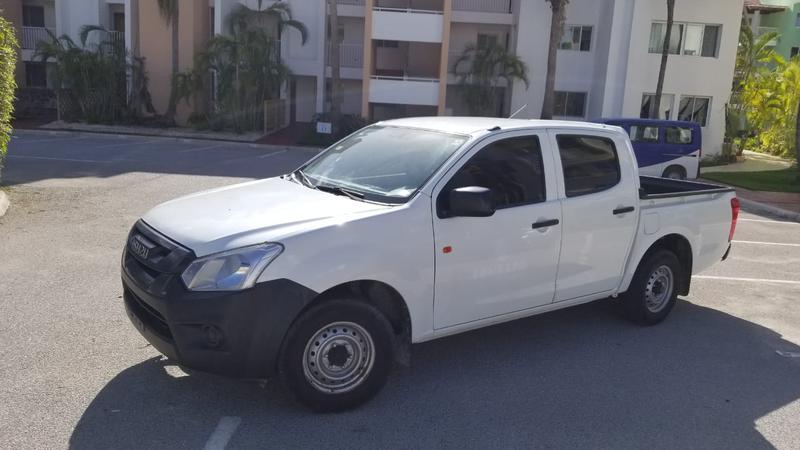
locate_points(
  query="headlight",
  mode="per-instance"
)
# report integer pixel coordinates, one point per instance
(230, 271)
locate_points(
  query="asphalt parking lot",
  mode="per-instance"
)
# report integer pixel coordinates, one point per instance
(722, 372)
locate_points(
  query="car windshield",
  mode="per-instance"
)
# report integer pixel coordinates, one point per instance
(382, 163)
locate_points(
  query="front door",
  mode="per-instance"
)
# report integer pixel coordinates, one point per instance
(490, 266)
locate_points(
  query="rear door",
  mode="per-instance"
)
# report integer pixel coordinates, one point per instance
(490, 266)
(683, 145)
(599, 210)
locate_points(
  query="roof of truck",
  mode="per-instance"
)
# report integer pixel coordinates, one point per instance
(476, 125)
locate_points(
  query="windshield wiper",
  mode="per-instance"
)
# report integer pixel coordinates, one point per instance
(338, 190)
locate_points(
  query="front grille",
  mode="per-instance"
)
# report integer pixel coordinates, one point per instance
(154, 268)
(151, 318)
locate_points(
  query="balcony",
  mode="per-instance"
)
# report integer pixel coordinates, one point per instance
(32, 35)
(350, 55)
(408, 20)
(485, 6)
(404, 90)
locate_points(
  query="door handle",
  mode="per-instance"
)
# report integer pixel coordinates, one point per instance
(624, 210)
(545, 224)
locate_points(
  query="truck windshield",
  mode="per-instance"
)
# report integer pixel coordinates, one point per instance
(381, 163)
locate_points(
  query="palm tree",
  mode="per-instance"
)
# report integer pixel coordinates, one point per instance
(662, 71)
(171, 14)
(559, 10)
(479, 70)
(336, 66)
(753, 52)
(243, 18)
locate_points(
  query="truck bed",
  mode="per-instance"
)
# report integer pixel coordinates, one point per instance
(654, 188)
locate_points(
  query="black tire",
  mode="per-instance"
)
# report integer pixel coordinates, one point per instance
(637, 306)
(675, 172)
(362, 318)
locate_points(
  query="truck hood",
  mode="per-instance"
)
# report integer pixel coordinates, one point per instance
(251, 213)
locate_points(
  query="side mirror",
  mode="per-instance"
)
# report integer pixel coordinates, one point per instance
(471, 201)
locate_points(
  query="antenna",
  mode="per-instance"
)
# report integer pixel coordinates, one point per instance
(518, 111)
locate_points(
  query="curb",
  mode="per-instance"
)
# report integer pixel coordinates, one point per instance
(757, 207)
(150, 132)
(4, 203)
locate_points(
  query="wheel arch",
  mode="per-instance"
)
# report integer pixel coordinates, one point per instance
(677, 167)
(682, 248)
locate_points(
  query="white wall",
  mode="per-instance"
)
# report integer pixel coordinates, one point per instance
(400, 26)
(686, 75)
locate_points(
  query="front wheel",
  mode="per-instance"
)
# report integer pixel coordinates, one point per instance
(337, 355)
(654, 289)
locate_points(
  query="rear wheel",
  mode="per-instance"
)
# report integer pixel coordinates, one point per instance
(337, 355)
(654, 288)
(675, 172)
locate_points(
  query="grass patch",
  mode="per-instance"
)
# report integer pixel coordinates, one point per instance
(785, 180)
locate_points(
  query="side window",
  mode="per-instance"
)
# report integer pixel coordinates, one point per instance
(641, 133)
(590, 164)
(677, 135)
(511, 168)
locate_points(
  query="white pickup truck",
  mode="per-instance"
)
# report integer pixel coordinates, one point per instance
(411, 230)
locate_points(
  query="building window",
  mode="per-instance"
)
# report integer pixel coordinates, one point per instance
(570, 104)
(794, 52)
(688, 39)
(694, 109)
(380, 43)
(33, 16)
(487, 40)
(797, 20)
(118, 21)
(35, 74)
(576, 37)
(590, 164)
(665, 108)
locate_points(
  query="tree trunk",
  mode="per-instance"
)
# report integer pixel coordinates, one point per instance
(558, 8)
(336, 66)
(172, 106)
(655, 108)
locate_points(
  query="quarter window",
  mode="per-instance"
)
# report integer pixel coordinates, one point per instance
(590, 164)
(576, 37)
(511, 168)
(644, 133)
(678, 135)
(694, 109)
(569, 104)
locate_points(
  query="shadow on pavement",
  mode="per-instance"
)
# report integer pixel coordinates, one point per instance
(580, 377)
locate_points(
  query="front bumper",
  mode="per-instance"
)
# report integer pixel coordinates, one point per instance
(228, 333)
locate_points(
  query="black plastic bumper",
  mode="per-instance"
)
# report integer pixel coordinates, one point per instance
(228, 333)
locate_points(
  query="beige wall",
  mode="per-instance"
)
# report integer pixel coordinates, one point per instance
(155, 45)
(12, 11)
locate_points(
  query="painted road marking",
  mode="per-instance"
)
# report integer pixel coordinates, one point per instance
(197, 149)
(756, 280)
(769, 221)
(48, 158)
(766, 243)
(123, 144)
(273, 154)
(223, 433)
(788, 354)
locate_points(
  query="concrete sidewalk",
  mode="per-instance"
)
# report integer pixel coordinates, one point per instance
(782, 204)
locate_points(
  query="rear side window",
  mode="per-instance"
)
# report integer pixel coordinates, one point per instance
(641, 133)
(511, 168)
(590, 164)
(678, 135)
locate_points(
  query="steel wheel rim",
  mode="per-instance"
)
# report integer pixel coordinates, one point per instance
(338, 357)
(659, 288)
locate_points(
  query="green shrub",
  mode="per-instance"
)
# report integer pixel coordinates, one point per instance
(8, 60)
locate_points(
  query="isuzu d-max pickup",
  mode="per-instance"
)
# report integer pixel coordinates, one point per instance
(411, 230)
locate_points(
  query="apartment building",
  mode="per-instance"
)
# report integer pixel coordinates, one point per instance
(780, 16)
(35, 20)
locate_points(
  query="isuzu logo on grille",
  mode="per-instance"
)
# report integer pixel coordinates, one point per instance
(139, 247)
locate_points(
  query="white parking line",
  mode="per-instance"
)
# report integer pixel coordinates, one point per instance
(48, 158)
(197, 149)
(223, 433)
(280, 152)
(754, 280)
(124, 144)
(766, 243)
(769, 221)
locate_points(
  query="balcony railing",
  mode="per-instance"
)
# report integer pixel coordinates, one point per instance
(350, 2)
(350, 55)
(490, 6)
(409, 6)
(32, 35)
